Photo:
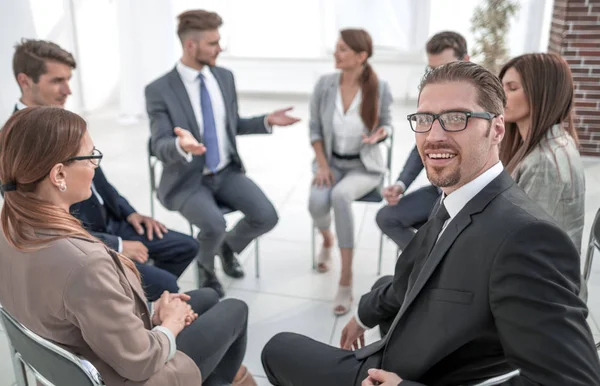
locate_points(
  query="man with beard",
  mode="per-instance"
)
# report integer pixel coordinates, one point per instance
(194, 120)
(488, 285)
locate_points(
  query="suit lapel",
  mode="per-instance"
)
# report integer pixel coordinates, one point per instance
(227, 94)
(330, 107)
(454, 229)
(184, 101)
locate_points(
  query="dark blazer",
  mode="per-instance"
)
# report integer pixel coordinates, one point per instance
(90, 211)
(498, 292)
(169, 106)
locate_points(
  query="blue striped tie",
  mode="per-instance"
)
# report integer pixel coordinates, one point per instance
(211, 141)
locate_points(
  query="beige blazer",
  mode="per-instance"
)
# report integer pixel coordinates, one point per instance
(76, 293)
(552, 174)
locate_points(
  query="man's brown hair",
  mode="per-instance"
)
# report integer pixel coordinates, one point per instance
(447, 39)
(197, 20)
(490, 93)
(31, 55)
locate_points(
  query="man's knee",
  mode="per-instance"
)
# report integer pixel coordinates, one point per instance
(275, 348)
(190, 246)
(266, 219)
(384, 280)
(383, 217)
(237, 309)
(214, 228)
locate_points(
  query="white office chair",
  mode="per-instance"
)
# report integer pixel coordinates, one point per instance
(50, 364)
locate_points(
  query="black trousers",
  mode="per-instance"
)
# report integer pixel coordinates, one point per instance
(294, 360)
(216, 341)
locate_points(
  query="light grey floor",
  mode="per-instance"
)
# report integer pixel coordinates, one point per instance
(289, 296)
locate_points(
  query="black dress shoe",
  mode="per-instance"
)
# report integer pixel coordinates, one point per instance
(208, 279)
(230, 263)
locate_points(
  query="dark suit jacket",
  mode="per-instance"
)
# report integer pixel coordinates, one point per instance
(90, 210)
(169, 106)
(498, 292)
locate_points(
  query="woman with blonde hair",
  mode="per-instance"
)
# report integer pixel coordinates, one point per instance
(539, 148)
(66, 286)
(349, 117)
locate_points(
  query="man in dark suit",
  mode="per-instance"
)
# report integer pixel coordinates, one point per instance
(43, 71)
(405, 213)
(488, 285)
(194, 121)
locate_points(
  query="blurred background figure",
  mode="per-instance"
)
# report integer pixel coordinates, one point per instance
(350, 116)
(406, 213)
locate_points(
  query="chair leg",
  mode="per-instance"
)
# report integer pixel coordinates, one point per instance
(191, 230)
(256, 259)
(151, 203)
(380, 254)
(312, 250)
(19, 368)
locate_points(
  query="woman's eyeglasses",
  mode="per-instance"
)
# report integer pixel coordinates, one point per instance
(94, 158)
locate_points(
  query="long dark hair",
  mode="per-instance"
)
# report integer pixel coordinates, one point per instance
(359, 40)
(548, 86)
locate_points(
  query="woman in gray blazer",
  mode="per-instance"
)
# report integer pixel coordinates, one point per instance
(66, 286)
(349, 117)
(539, 148)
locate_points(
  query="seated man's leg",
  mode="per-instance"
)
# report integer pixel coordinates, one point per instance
(202, 210)
(216, 341)
(240, 193)
(292, 360)
(173, 253)
(155, 281)
(396, 221)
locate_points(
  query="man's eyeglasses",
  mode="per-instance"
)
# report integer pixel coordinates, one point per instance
(94, 158)
(450, 120)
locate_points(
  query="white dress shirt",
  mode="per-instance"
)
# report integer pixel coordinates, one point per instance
(191, 81)
(20, 106)
(348, 127)
(456, 201)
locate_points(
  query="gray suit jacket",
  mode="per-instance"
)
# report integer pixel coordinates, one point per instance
(552, 174)
(322, 108)
(169, 106)
(76, 293)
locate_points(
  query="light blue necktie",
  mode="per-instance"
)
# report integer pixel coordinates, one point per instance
(211, 141)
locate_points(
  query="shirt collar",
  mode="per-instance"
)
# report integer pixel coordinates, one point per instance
(20, 105)
(455, 201)
(190, 74)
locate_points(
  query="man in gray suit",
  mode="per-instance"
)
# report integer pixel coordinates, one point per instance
(194, 120)
(399, 218)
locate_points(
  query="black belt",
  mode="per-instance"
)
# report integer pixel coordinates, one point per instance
(345, 156)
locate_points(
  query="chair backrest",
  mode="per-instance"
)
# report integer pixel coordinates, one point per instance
(593, 244)
(50, 363)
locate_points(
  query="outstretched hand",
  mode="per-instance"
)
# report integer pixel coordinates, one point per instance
(188, 143)
(280, 118)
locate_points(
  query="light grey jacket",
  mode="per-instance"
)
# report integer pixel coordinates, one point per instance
(322, 108)
(552, 174)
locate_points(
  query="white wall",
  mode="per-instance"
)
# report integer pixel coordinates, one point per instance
(273, 46)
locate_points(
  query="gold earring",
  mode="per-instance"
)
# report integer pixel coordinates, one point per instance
(62, 187)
